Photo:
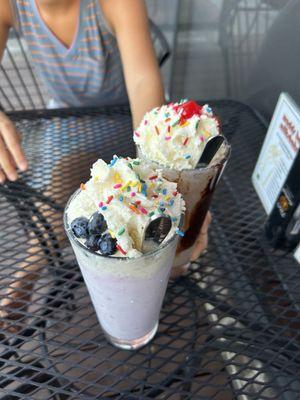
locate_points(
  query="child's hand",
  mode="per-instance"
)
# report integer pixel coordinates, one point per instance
(11, 154)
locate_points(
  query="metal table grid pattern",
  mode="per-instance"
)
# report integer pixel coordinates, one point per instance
(228, 330)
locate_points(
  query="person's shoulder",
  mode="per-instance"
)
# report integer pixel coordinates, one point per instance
(6, 15)
(118, 11)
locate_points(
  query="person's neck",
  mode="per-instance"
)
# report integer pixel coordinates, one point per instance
(56, 5)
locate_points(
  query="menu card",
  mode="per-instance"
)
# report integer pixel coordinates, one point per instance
(278, 153)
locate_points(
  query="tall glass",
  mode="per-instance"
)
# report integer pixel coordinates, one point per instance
(197, 187)
(127, 293)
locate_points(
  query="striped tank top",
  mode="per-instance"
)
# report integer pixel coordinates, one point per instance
(89, 73)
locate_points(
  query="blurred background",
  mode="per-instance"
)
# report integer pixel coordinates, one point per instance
(247, 50)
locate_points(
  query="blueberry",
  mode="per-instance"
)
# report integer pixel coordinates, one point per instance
(79, 227)
(92, 242)
(107, 245)
(97, 224)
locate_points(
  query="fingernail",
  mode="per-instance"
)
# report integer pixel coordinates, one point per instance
(23, 166)
(12, 177)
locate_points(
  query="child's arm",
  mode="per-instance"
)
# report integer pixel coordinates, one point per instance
(129, 20)
(11, 154)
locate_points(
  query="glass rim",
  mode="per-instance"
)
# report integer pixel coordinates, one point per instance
(73, 238)
(197, 167)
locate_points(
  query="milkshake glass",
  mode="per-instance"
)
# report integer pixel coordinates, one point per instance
(171, 138)
(127, 293)
(197, 187)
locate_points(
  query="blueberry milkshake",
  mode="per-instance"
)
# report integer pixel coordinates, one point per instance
(105, 221)
(172, 138)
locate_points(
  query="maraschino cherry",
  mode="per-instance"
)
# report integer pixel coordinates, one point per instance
(189, 108)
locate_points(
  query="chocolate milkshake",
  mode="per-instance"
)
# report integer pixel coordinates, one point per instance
(171, 139)
(105, 221)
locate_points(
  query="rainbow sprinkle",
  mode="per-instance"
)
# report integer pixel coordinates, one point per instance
(132, 194)
(101, 204)
(187, 156)
(82, 186)
(121, 231)
(137, 134)
(134, 209)
(151, 178)
(168, 137)
(113, 161)
(112, 234)
(185, 141)
(171, 202)
(143, 210)
(121, 250)
(103, 208)
(151, 213)
(144, 189)
(121, 198)
(117, 185)
(186, 123)
(117, 177)
(157, 130)
(109, 199)
(179, 232)
(136, 162)
(165, 191)
(126, 186)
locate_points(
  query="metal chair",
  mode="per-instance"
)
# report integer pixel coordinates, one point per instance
(243, 26)
(20, 87)
(277, 65)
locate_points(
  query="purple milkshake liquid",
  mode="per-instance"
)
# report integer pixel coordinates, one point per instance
(127, 294)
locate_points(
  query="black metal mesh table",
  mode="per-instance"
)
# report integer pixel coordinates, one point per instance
(228, 330)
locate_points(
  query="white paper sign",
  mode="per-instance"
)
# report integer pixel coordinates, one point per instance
(297, 254)
(279, 150)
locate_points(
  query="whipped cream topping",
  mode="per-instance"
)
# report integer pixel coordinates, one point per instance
(128, 193)
(174, 135)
